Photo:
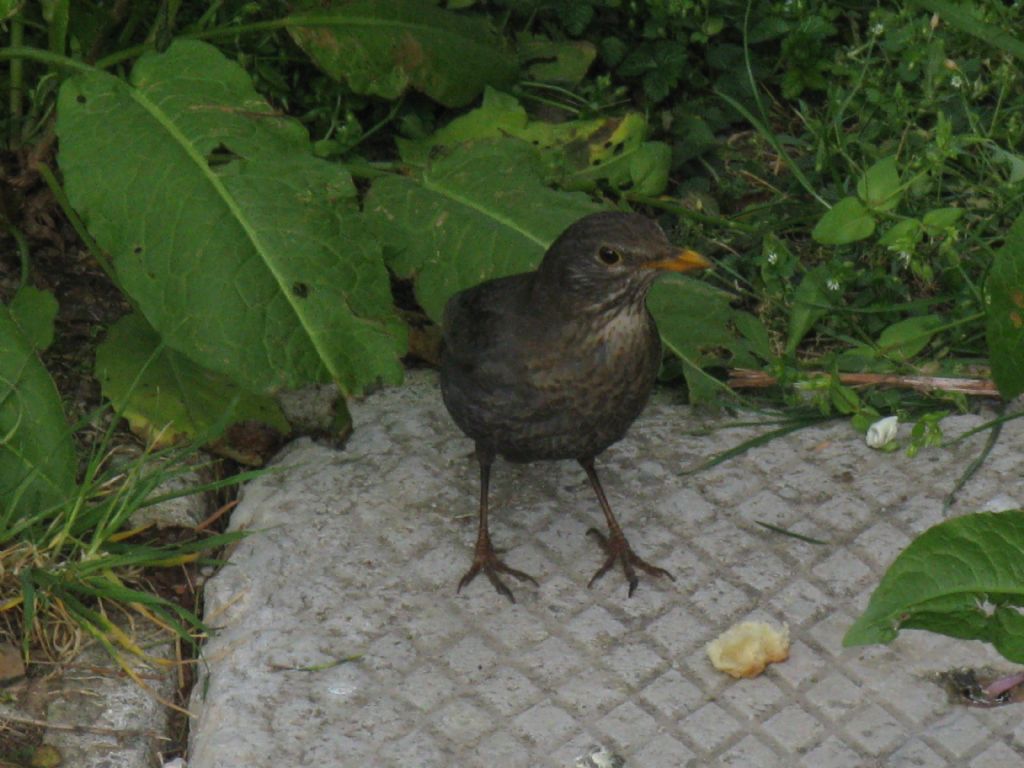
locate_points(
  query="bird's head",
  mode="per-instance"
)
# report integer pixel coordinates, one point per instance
(611, 259)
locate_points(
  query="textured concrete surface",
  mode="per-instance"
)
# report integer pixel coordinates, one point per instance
(357, 553)
(120, 725)
(96, 716)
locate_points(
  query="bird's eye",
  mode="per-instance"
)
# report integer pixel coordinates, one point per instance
(609, 256)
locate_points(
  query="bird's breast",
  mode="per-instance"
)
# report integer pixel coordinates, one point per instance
(589, 387)
(551, 384)
(612, 359)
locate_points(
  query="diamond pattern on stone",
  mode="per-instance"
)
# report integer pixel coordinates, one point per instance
(357, 553)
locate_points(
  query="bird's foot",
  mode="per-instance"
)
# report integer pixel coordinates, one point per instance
(486, 560)
(618, 550)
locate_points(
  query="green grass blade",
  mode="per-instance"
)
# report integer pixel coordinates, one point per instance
(791, 534)
(755, 442)
(975, 465)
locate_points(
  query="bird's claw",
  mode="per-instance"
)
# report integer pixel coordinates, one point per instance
(486, 560)
(618, 550)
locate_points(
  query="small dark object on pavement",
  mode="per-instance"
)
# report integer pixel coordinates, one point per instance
(557, 363)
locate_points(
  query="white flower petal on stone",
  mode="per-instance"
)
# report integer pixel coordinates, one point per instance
(882, 432)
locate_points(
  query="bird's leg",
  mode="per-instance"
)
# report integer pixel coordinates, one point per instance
(485, 558)
(615, 543)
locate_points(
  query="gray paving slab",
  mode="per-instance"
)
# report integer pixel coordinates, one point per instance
(357, 553)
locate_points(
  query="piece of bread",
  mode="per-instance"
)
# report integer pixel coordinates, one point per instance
(745, 649)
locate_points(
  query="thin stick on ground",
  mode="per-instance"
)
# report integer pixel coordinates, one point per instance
(742, 378)
(81, 728)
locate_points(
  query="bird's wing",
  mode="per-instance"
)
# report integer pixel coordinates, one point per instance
(489, 349)
(479, 323)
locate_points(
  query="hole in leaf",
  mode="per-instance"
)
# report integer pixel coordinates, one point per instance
(137, 249)
(80, 99)
(221, 155)
(300, 289)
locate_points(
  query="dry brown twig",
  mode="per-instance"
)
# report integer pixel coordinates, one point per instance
(743, 378)
(81, 728)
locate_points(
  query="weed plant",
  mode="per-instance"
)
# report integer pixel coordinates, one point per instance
(78, 568)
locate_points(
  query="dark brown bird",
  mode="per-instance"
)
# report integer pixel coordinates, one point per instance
(557, 363)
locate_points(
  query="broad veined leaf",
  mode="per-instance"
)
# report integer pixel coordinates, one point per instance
(1005, 313)
(846, 222)
(963, 577)
(482, 212)
(242, 250)
(381, 47)
(698, 325)
(166, 397)
(37, 458)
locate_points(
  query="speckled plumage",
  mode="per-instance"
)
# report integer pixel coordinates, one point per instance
(557, 363)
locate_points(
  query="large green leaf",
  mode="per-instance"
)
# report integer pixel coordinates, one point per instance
(1005, 321)
(963, 577)
(381, 47)
(37, 458)
(242, 250)
(479, 213)
(698, 325)
(164, 394)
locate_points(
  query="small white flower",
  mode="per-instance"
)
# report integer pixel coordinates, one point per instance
(878, 29)
(882, 432)
(957, 82)
(772, 256)
(832, 284)
(904, 258)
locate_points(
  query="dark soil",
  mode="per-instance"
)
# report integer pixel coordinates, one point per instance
(58, 262)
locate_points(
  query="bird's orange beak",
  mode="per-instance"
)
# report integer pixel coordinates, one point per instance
(682, 261)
